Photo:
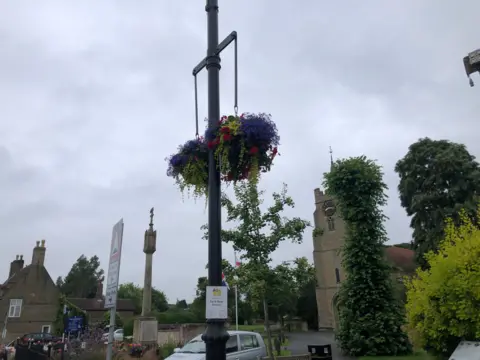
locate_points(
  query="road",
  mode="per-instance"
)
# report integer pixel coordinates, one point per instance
(298, 343)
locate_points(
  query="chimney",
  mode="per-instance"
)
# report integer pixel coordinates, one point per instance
(16, 265)
(38, 257)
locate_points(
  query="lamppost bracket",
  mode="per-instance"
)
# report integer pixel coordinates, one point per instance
(222, 46)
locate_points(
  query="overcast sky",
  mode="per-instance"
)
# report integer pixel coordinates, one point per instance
(95, 94)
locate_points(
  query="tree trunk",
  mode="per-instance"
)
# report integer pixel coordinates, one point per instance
(267, 327)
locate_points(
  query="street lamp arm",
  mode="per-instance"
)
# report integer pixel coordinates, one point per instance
(222, 46)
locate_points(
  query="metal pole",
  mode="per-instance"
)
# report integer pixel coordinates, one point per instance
(236, 307)
(113, 312)
(215, 335)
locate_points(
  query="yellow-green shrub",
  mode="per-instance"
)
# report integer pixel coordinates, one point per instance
(443, 303)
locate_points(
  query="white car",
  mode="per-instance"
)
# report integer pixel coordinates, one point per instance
(242, 345)
(117, 335)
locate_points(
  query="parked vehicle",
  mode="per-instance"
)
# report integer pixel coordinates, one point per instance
(44, 337)
(117, 335)
(242, 345)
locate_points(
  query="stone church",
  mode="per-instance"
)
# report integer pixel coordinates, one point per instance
(327, 259)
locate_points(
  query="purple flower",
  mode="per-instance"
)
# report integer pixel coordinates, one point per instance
(259, 130)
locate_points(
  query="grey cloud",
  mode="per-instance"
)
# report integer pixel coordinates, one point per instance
(94, 96)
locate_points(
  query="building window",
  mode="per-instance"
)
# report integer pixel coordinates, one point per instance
(15, 308)
(46, 329)
(337, 275)
(330, 223)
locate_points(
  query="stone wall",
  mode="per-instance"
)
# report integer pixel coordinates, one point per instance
(178, 333)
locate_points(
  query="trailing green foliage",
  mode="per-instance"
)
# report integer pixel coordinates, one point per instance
(371, 317)
(438, 179)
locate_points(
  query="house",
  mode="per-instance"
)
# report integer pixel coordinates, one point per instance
(327, 245)
(95, 307)
(29, 299)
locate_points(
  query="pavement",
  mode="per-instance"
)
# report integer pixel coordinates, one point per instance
(298, 343)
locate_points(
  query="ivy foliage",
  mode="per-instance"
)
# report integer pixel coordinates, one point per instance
(438, 179)
(443, 303)
(371, 316)
(61, 318)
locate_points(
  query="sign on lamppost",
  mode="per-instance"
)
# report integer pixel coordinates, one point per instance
(112, 280)
(471, 62)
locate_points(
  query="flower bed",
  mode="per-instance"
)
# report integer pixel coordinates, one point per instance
(244, 147)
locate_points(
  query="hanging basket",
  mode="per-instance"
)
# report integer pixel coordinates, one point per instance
(244, 147)
(189, 167)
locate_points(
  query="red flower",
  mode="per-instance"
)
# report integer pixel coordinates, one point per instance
(225, 130)
(274, 153)
(253, 150)
(227, 137)
(213, 143)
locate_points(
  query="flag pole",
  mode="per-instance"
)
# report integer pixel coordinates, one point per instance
(236, 306)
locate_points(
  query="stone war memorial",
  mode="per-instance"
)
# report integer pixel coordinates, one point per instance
(145, 328)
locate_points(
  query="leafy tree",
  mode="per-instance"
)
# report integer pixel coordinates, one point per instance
(257, 234)
(371, 317)
(198, 305)
(83, 278)
(404, 245)
(135, 293)
(132, 292)
(182, 304)
(159, 300)
(438, 178)
(443, 302)
(118, 319)
(304, 275)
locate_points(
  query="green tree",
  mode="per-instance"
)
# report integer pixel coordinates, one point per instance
(118, 319)
(257, 234)
(304, 275)
(182, 304)
(371, 317)
(404, 245)
(159, 300)
(250, 235)
(132, 292)
(82, 279)
(198, 305)
(443, 302)
(135, 294)
(438, 178)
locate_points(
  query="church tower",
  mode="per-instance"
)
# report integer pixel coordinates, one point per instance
(327, 243)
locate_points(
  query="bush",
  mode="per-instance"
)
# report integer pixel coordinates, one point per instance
(442, 303)
(177, 316)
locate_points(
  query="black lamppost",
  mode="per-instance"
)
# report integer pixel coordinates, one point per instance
(215, 335)
(472, 64)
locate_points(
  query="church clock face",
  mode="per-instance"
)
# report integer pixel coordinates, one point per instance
(329, 208)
